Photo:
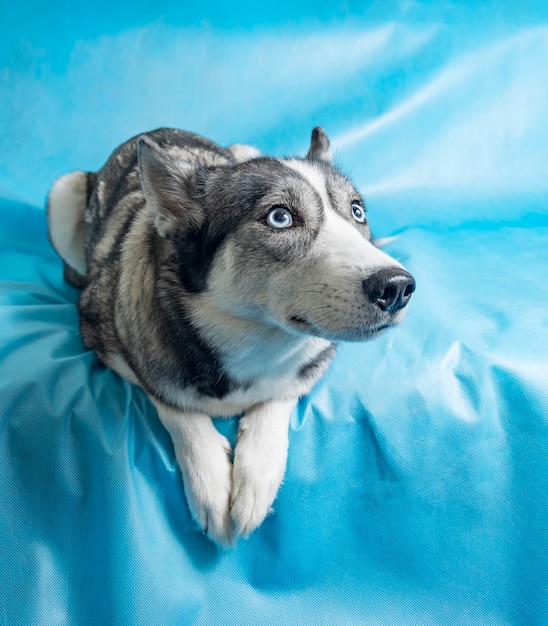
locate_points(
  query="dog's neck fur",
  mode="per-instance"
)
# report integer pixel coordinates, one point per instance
(264, 362)
(250, 348)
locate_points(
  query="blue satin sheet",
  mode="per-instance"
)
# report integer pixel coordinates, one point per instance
(417, 483)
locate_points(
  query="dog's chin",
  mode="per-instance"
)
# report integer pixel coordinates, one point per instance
(362, 333)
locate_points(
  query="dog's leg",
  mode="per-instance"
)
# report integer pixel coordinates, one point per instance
(203, 455)
(259, 463)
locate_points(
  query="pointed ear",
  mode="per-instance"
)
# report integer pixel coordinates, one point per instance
(320, 148)
(170, 188)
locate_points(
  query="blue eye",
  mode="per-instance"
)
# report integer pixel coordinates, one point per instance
(358, 212)
(279, 217)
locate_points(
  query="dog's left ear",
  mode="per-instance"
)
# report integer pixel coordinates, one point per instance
(170, 187)
(320, 148)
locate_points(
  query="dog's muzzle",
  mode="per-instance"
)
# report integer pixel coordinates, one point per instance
(389, 289)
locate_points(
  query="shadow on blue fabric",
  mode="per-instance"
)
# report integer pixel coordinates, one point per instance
(416, 489)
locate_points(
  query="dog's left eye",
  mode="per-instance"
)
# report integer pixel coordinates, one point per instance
(358, 212)
(279, 217)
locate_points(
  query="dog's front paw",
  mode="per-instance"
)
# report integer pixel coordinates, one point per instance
(256, 479)
(208, 485)
(251, 502)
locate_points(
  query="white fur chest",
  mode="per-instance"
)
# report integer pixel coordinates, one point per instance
(266, 372)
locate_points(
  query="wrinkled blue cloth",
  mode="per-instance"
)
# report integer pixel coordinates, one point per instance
(417, 480)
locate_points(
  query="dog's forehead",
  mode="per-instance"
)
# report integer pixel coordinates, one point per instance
(250, 187)
(322, 176)
(334, 189)
(314, 175)
(302, 177)
(240, 195)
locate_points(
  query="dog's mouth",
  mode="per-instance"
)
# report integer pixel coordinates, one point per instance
(353, 334)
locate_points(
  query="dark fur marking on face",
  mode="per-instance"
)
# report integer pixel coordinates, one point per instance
(249, 192)
(195, 251)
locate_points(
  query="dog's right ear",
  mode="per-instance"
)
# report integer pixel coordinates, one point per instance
(320, 148)
(170, 187)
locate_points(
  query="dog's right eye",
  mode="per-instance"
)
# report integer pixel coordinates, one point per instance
(279, 217)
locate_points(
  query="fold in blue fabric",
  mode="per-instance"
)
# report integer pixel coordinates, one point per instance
(417, 480)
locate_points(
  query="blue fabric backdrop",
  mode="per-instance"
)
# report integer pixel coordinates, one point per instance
(416, 490)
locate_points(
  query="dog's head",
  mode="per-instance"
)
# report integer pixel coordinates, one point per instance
(284, 242)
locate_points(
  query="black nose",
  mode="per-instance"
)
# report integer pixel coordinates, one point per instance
(389, 289)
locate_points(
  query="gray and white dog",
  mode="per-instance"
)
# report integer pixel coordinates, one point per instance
(219, 280)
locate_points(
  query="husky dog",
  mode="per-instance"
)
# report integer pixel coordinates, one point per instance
(219, 281)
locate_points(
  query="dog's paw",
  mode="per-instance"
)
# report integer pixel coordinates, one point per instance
(256, 478)
(251, 502)
(208, 485)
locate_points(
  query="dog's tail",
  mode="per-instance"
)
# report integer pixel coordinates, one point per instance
(67, 202)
